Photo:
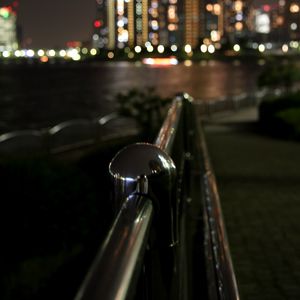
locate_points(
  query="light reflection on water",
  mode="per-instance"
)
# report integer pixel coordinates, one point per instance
(205, 79)
(42, 97)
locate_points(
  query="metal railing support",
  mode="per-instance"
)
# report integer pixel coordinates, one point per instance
(114, 271)
(151, 200)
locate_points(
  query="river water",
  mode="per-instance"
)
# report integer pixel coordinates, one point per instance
(41, 96)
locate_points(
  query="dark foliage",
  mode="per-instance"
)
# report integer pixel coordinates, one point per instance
(146, 107)
(277, 75)
(54, 216)
(280, 116)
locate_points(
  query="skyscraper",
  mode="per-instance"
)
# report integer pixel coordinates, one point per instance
(292, 19)
(8, 29)
(192, 22)
(101, 35)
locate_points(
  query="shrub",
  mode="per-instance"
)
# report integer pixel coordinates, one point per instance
(290, 120)
(279, 75)
(146, 107)
(278, 116)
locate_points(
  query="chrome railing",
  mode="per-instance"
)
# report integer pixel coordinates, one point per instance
(79, 133)
(168, 239)
(67, 136)
(114, 269)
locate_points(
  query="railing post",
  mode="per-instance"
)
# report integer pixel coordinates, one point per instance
(147, 170)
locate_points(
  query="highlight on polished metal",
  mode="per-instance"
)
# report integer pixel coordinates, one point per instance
(133, 168)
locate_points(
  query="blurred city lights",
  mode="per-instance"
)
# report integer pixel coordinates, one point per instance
(294, 8)
(269, 46)
(93, 51)
(44, 59)
(294, 44)
(161, 49)
(30, 53)
(127, 50)
(110, 55)
(95, 37)
(150, 48)
(188, 48)
(41, 52)
(215, 35)
(236, 47)
(261, 48)
(6, 53)
(174, 48)
(52, 53)
(211, 49)
(285, 48)
(17, 53)
(203, 48)
(188, 63)
(76, 57)
(138, 49)
(160, 61)
(4, 12)
(62, 53)
(294, 26)
(84, 51)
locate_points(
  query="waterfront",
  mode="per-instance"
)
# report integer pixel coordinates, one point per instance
(34, 97)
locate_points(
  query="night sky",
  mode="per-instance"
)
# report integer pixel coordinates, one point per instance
(51, 23)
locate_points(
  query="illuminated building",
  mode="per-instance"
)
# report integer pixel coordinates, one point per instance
(235, 20)
(140, 29)
(180, 23)
(192, 22)
(104, 25)
(275, 21)
(292, 19)
(164, 22)
(154, 22)
(8, 29)
(213, 28)
(120, 23)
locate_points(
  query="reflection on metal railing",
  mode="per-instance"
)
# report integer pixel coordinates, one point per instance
(78, 133)
(24, 141)
(120, 255)
(232, 103)
(66, 136)
(172, 183)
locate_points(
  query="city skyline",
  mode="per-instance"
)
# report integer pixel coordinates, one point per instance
(57, 23)
(120, 24)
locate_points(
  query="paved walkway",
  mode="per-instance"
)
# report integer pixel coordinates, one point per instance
(259, 185)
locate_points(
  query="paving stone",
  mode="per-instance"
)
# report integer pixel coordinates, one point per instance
(258, 179)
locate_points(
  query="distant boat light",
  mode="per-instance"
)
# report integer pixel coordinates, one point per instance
(168, 61)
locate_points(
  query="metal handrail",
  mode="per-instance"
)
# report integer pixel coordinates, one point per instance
(115, 268)
(167, 133)
(144, 178)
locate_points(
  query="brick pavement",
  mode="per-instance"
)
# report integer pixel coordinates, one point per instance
(259, 186)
